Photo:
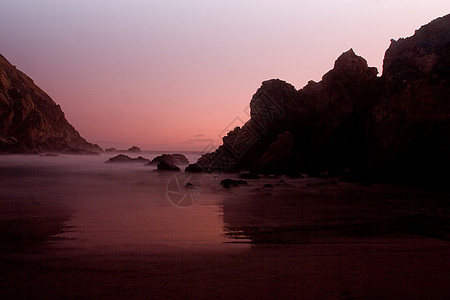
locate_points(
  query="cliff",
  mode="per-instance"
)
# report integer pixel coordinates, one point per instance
(30, 121)
(353, 122)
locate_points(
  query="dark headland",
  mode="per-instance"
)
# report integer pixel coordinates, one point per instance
(354, 123)
(30, 121)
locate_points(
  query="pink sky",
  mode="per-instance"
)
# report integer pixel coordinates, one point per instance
(173, 75)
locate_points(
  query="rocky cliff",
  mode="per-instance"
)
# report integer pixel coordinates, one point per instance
(30, 121)
(353, 122)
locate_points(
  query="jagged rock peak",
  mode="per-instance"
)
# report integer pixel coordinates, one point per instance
(349, 63)
(269, 98)
(428, 42)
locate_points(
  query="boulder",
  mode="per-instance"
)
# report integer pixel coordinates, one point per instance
(194, 168)
(165, 166)
(174, 159)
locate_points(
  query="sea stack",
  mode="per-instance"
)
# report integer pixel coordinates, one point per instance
(353, 122)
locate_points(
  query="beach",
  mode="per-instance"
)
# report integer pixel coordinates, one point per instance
(74, 227)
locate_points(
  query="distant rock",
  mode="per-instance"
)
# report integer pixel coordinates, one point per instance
(165, 166)
(121, 158)
(76, 151)
(134, 149)
(30, 121)
(174, 159)
(227, 183)
(194, 168)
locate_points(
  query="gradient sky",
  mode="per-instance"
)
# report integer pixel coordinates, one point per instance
(174, 74)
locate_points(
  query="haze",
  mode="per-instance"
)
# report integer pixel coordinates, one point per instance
(180, 74)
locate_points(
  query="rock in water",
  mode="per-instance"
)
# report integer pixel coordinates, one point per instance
(165, 166)
(194, 168)
(30, 121)
(174, 159)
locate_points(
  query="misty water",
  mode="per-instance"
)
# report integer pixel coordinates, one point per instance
(119, 207)
(80, 203)
(75, 225)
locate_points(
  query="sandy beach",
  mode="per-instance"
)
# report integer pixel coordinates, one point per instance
(74, 227)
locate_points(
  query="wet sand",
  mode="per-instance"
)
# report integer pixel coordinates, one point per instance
(414, 269)
(74, 230)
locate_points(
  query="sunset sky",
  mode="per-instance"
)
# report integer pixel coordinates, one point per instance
(176, 75)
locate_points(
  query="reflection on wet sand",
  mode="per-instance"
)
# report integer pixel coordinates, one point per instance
(27, 225)
(324, 210)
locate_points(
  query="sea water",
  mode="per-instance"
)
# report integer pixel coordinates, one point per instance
(119, 207)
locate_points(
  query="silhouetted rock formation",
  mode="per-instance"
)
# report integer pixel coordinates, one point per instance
(411, 123)
(121, 158)
(30, 121)
(165, 166)
(353, 122)
(173, 159)
(133, 149)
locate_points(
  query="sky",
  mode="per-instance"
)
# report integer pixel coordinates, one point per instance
(178, 75)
